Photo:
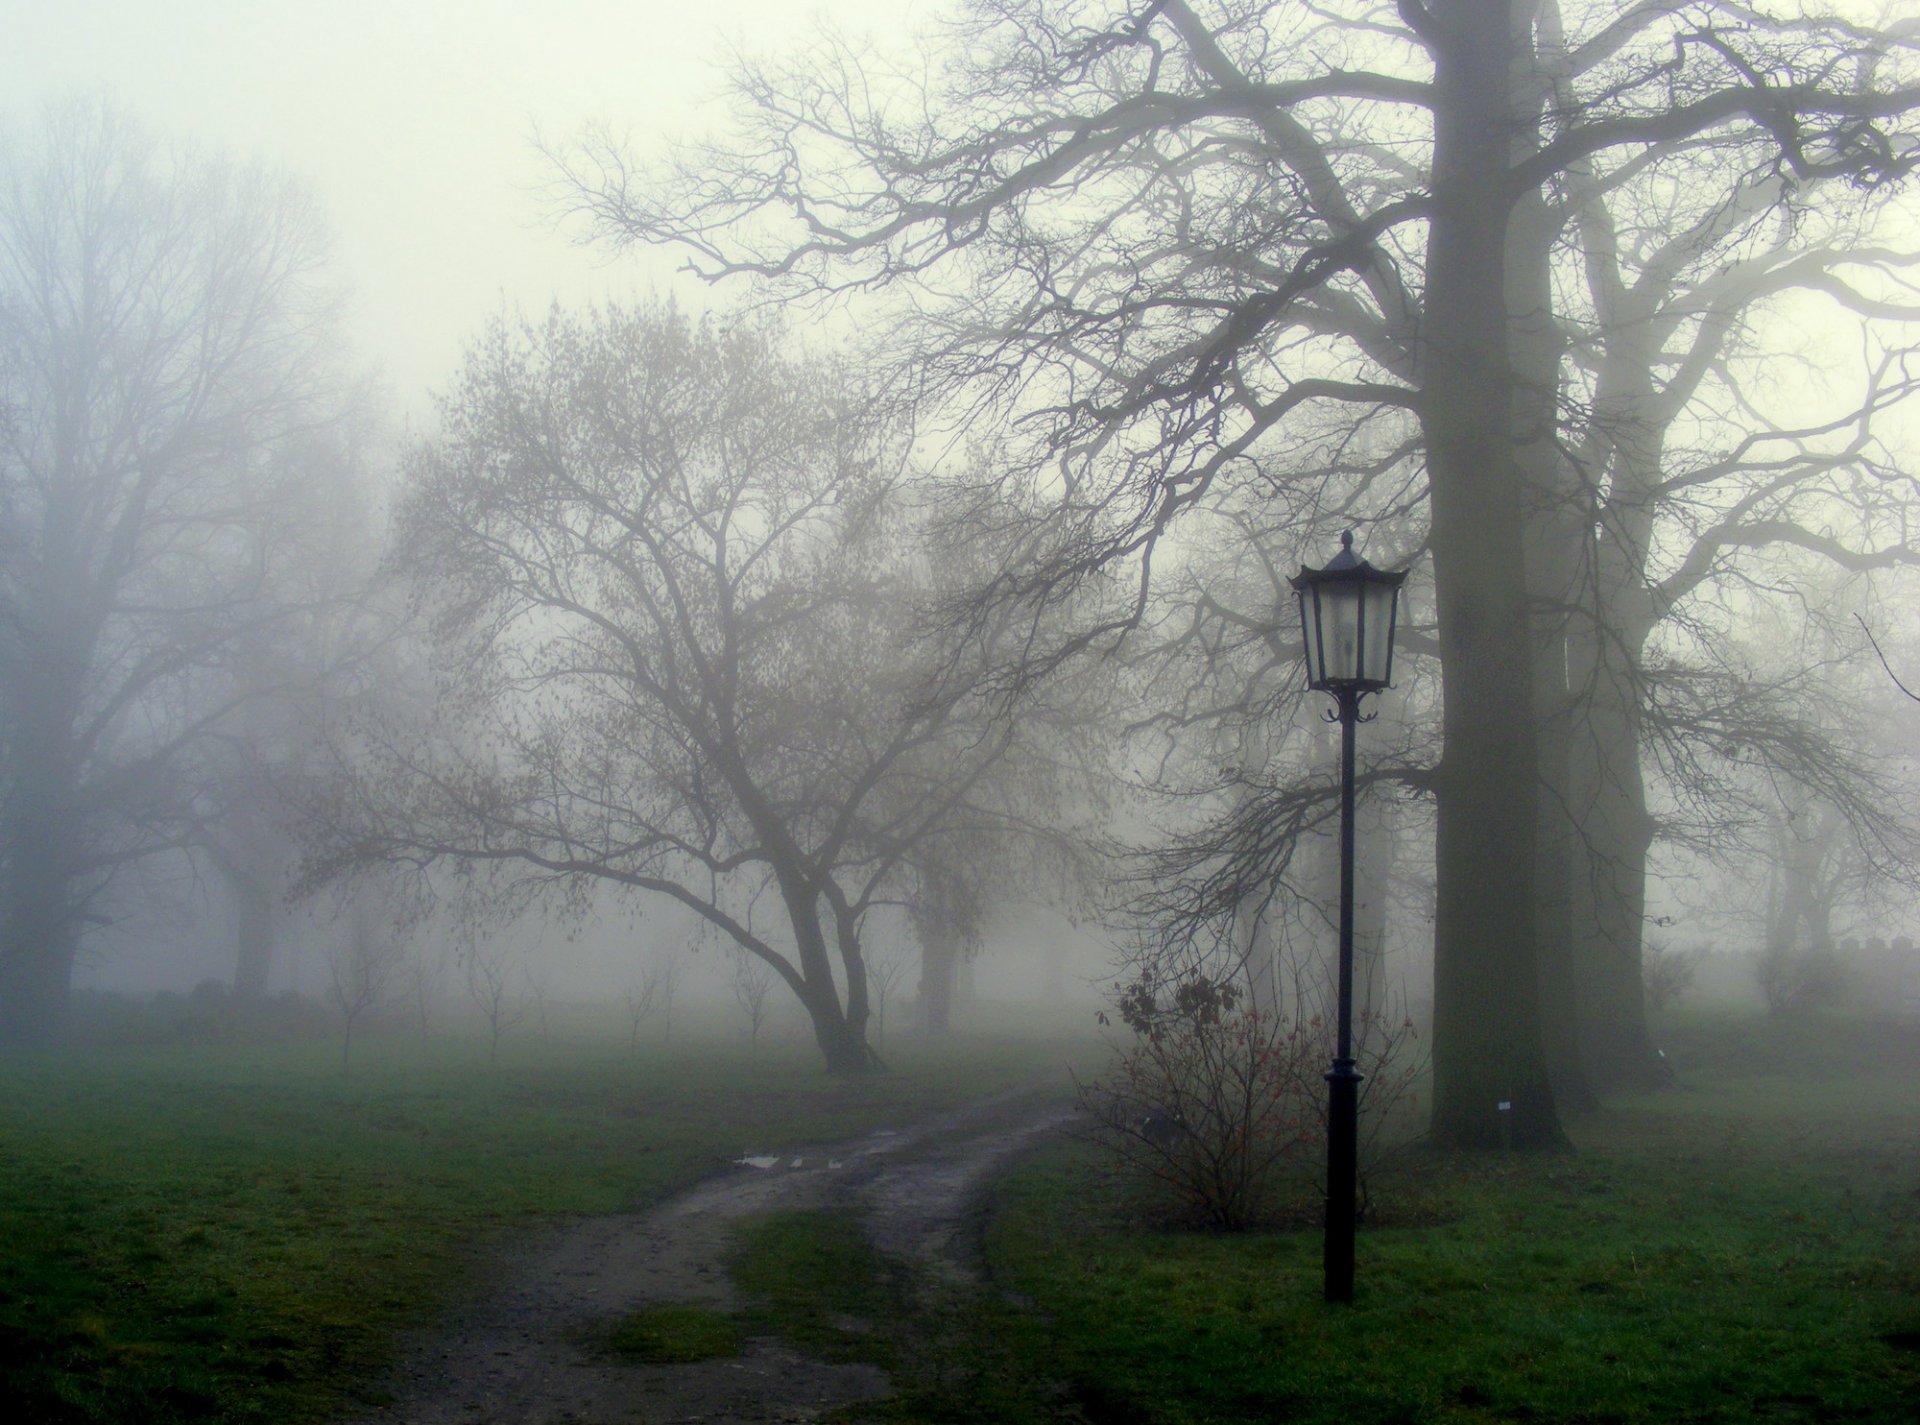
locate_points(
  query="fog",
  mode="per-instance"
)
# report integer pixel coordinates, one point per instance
(414, 125)
(346, 678)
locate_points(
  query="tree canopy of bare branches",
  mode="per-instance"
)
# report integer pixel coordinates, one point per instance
(1190, 246)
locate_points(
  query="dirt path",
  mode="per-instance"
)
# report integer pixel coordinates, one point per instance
(520, 1358)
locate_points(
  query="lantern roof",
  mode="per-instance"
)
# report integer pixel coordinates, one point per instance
(1346, 565)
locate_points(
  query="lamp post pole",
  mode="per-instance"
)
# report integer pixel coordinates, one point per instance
(1347, 614)
(1343, 1080)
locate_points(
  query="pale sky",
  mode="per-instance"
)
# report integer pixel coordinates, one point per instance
(412, 121)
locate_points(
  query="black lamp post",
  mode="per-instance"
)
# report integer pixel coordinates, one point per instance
(1346, 617)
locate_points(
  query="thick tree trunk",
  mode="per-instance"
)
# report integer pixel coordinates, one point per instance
(1490, 1077)
(36, 976)
(1611, 899)
(39, 919)
(844, 1048)
(1557, 539)
(253, 938)
(840, 1031)
(39, 931)
(249, 862)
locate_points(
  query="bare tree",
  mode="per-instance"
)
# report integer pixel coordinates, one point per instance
(883, 973)
(486, 968)
(423, 972)
(163, 349)
(672, 586)
(752, 983)
(330, 645)
(362, 967)
(539, 990)
(652, 995)
(1192, 244)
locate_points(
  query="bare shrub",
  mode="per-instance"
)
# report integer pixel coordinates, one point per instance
(1224, 1105)
(1666, 975)
(1795, 979)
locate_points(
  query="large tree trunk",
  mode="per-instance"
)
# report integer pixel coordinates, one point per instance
(1557, 539)
(249, 860)
(1486, 1036)
(839, 1030)
(39, 925)
(42, 834)
(1611, 899)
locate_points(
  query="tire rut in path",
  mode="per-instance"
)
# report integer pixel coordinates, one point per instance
(522, 1356)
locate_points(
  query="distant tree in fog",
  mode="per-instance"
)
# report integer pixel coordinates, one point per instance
(752, 982)
(486, 969)
(652, 994)
(883, 973)
(164, 355)
(363, 965)
(329, 647)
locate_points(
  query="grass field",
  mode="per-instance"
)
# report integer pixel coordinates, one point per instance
(1745, 1246)
(221, 1233)
(230, 1234)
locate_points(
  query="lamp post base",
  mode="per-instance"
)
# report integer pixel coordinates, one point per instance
(1343, 1143)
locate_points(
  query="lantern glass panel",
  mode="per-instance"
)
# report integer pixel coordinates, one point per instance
(1341, 609)
(1375, 664)
(1311, 629)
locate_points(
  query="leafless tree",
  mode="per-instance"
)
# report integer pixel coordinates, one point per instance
(883, 973)
(487, 970)
(362, 967)
(164, 350)
(752, 983)
(671, 584)
(330, 646)
(423, 972)
(1189, 245)
(652, 995)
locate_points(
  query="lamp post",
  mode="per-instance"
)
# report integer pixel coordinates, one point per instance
(1347, 614)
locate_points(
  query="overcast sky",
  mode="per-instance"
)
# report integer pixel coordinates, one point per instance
(412, 121)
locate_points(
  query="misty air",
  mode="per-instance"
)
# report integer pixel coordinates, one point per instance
(979, 712)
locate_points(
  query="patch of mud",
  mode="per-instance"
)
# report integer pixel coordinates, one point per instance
(522, 1357)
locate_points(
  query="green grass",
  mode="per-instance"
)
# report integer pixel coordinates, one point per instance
(1743, 1247)
(221, 1233)
(815, 1282)
(671, 1334)
(240, 1235)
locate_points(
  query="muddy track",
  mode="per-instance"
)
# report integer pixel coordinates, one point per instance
(522, 1357)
